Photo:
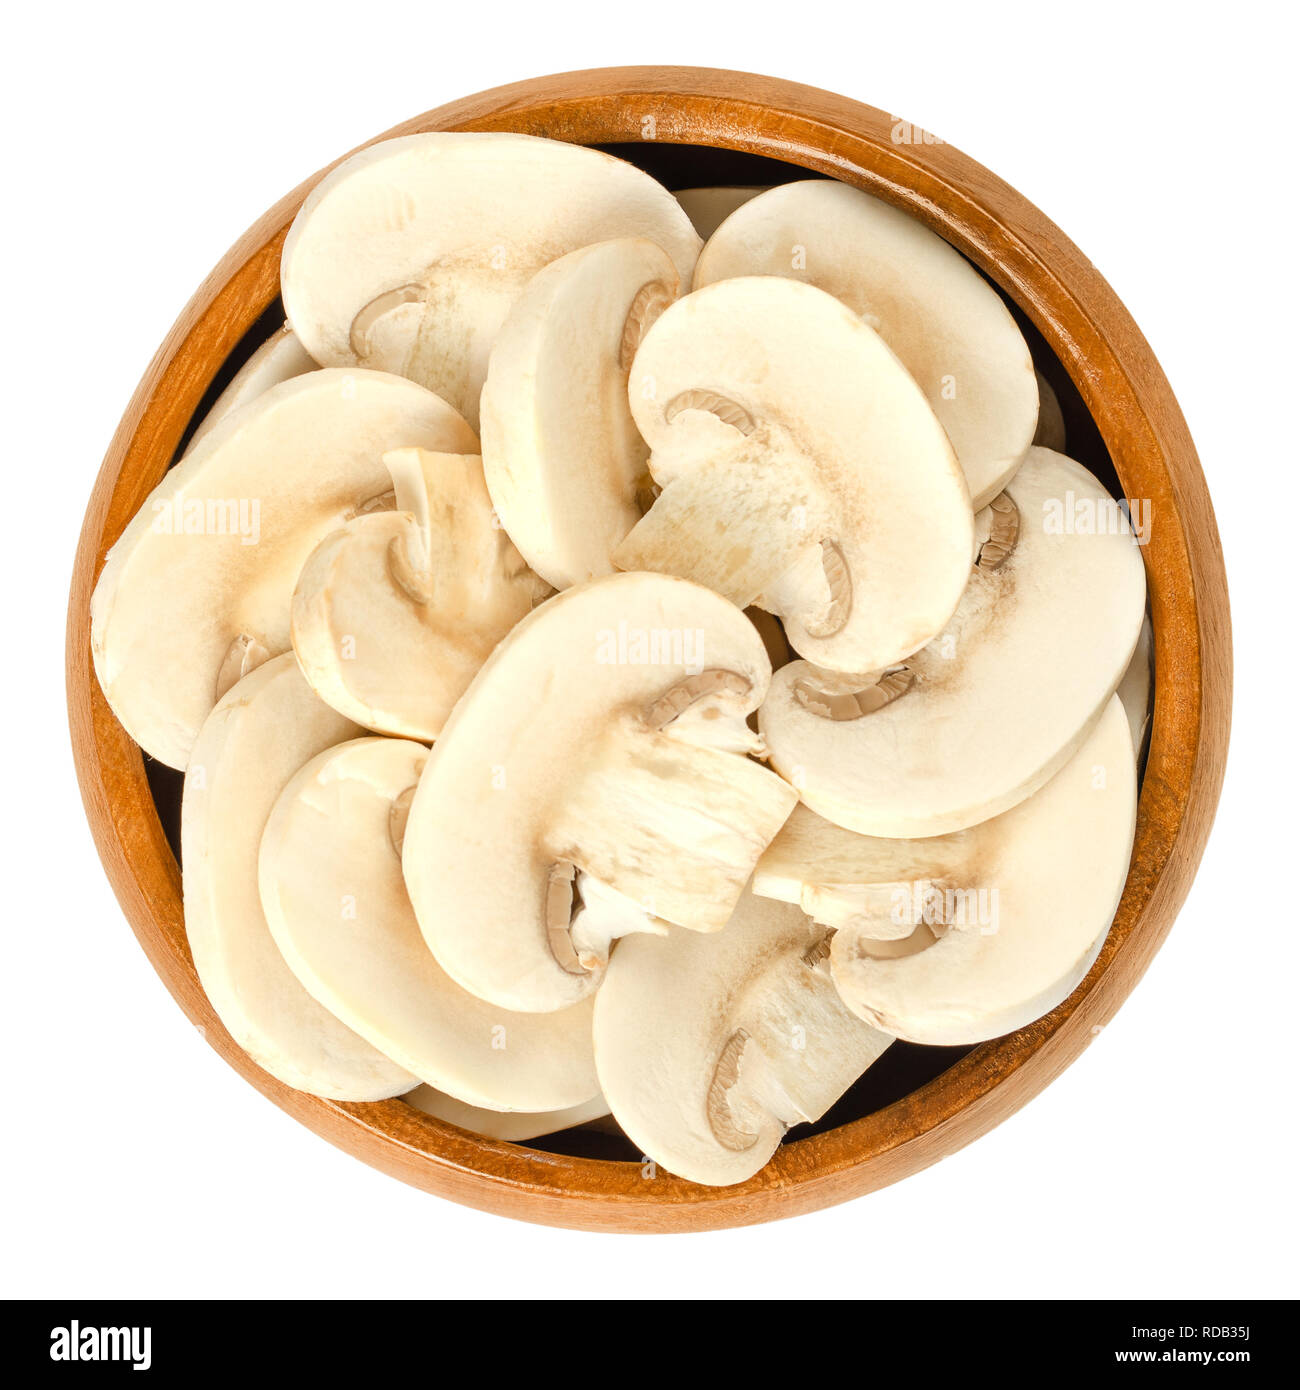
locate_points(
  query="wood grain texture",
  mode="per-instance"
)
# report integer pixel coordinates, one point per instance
(1134, 408)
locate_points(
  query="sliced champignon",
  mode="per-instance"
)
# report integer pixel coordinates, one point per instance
(1050, 431)
(563, 459)
(946, 323)
(331, 884)
(394, 612)
(986, 713)
(281, 358)
(802, 469)
(512, 1126)
(1135, 689)
(408, 256)
(251, 745)
(199, 584)
(709, 208)
(959, 938)
(710, 1047)
(592, 782)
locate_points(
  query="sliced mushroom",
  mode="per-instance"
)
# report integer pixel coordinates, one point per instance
(512, 1126)
(985, 714)
(393, 613)
(817, 467)
(592, 782)
(332, 890)
(563, 459)
(209, 562)
(281, 358)
(408, 256)
(1135, 689)
(1050, 431)
(946, 323)
(251, 745)
(710, 1047)
(958, 938)
(709, 208)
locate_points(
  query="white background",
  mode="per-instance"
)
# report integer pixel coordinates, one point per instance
(141, 141)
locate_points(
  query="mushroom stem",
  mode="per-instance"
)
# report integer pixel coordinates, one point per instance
(738, 523)
(673, 825)
(368, 315)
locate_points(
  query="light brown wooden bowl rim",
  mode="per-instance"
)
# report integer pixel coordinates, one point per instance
(1121, 384)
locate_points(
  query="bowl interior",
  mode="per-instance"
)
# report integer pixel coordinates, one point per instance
(905, 1067)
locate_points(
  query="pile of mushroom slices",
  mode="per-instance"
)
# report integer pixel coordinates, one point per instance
(619, 675)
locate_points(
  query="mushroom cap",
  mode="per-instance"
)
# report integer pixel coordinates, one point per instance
(280, 358)
(813, 432)
(511, 1126)
(709, 208)
(460, 221)
(1000, 700)
(947, 324)
(330, 874)
(1050, 430)
(251, 745)
(394, 612)
(549, 759)
(1021, 903)
(710, 1046)
(1135, 689)
(171, 603)
(561, 454)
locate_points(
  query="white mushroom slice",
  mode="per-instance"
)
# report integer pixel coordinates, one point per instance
(209, 562)
(709, 208)
(1135, 689)
(986, 713)
(511, 1126)
(563, 460)
(332, 890)
(1050, 431)
(823, 486)
(393, 613)
(250, 746)
(408, 256)
(959, 938)
(710, 1047)
(592, 781)
(947, 324)
(281, 358)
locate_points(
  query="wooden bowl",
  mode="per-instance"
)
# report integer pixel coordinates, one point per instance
(692, 126)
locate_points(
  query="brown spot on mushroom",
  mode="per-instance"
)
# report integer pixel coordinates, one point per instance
(412, 582)
(816, 956)
(853, 704)
(368, 315)
(559, 916)
(684, 694)
(718, 1104)
(398, 814)
(649, 302)
(244, 655)
(722, 406)
(839, 588)
(1004, 531)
